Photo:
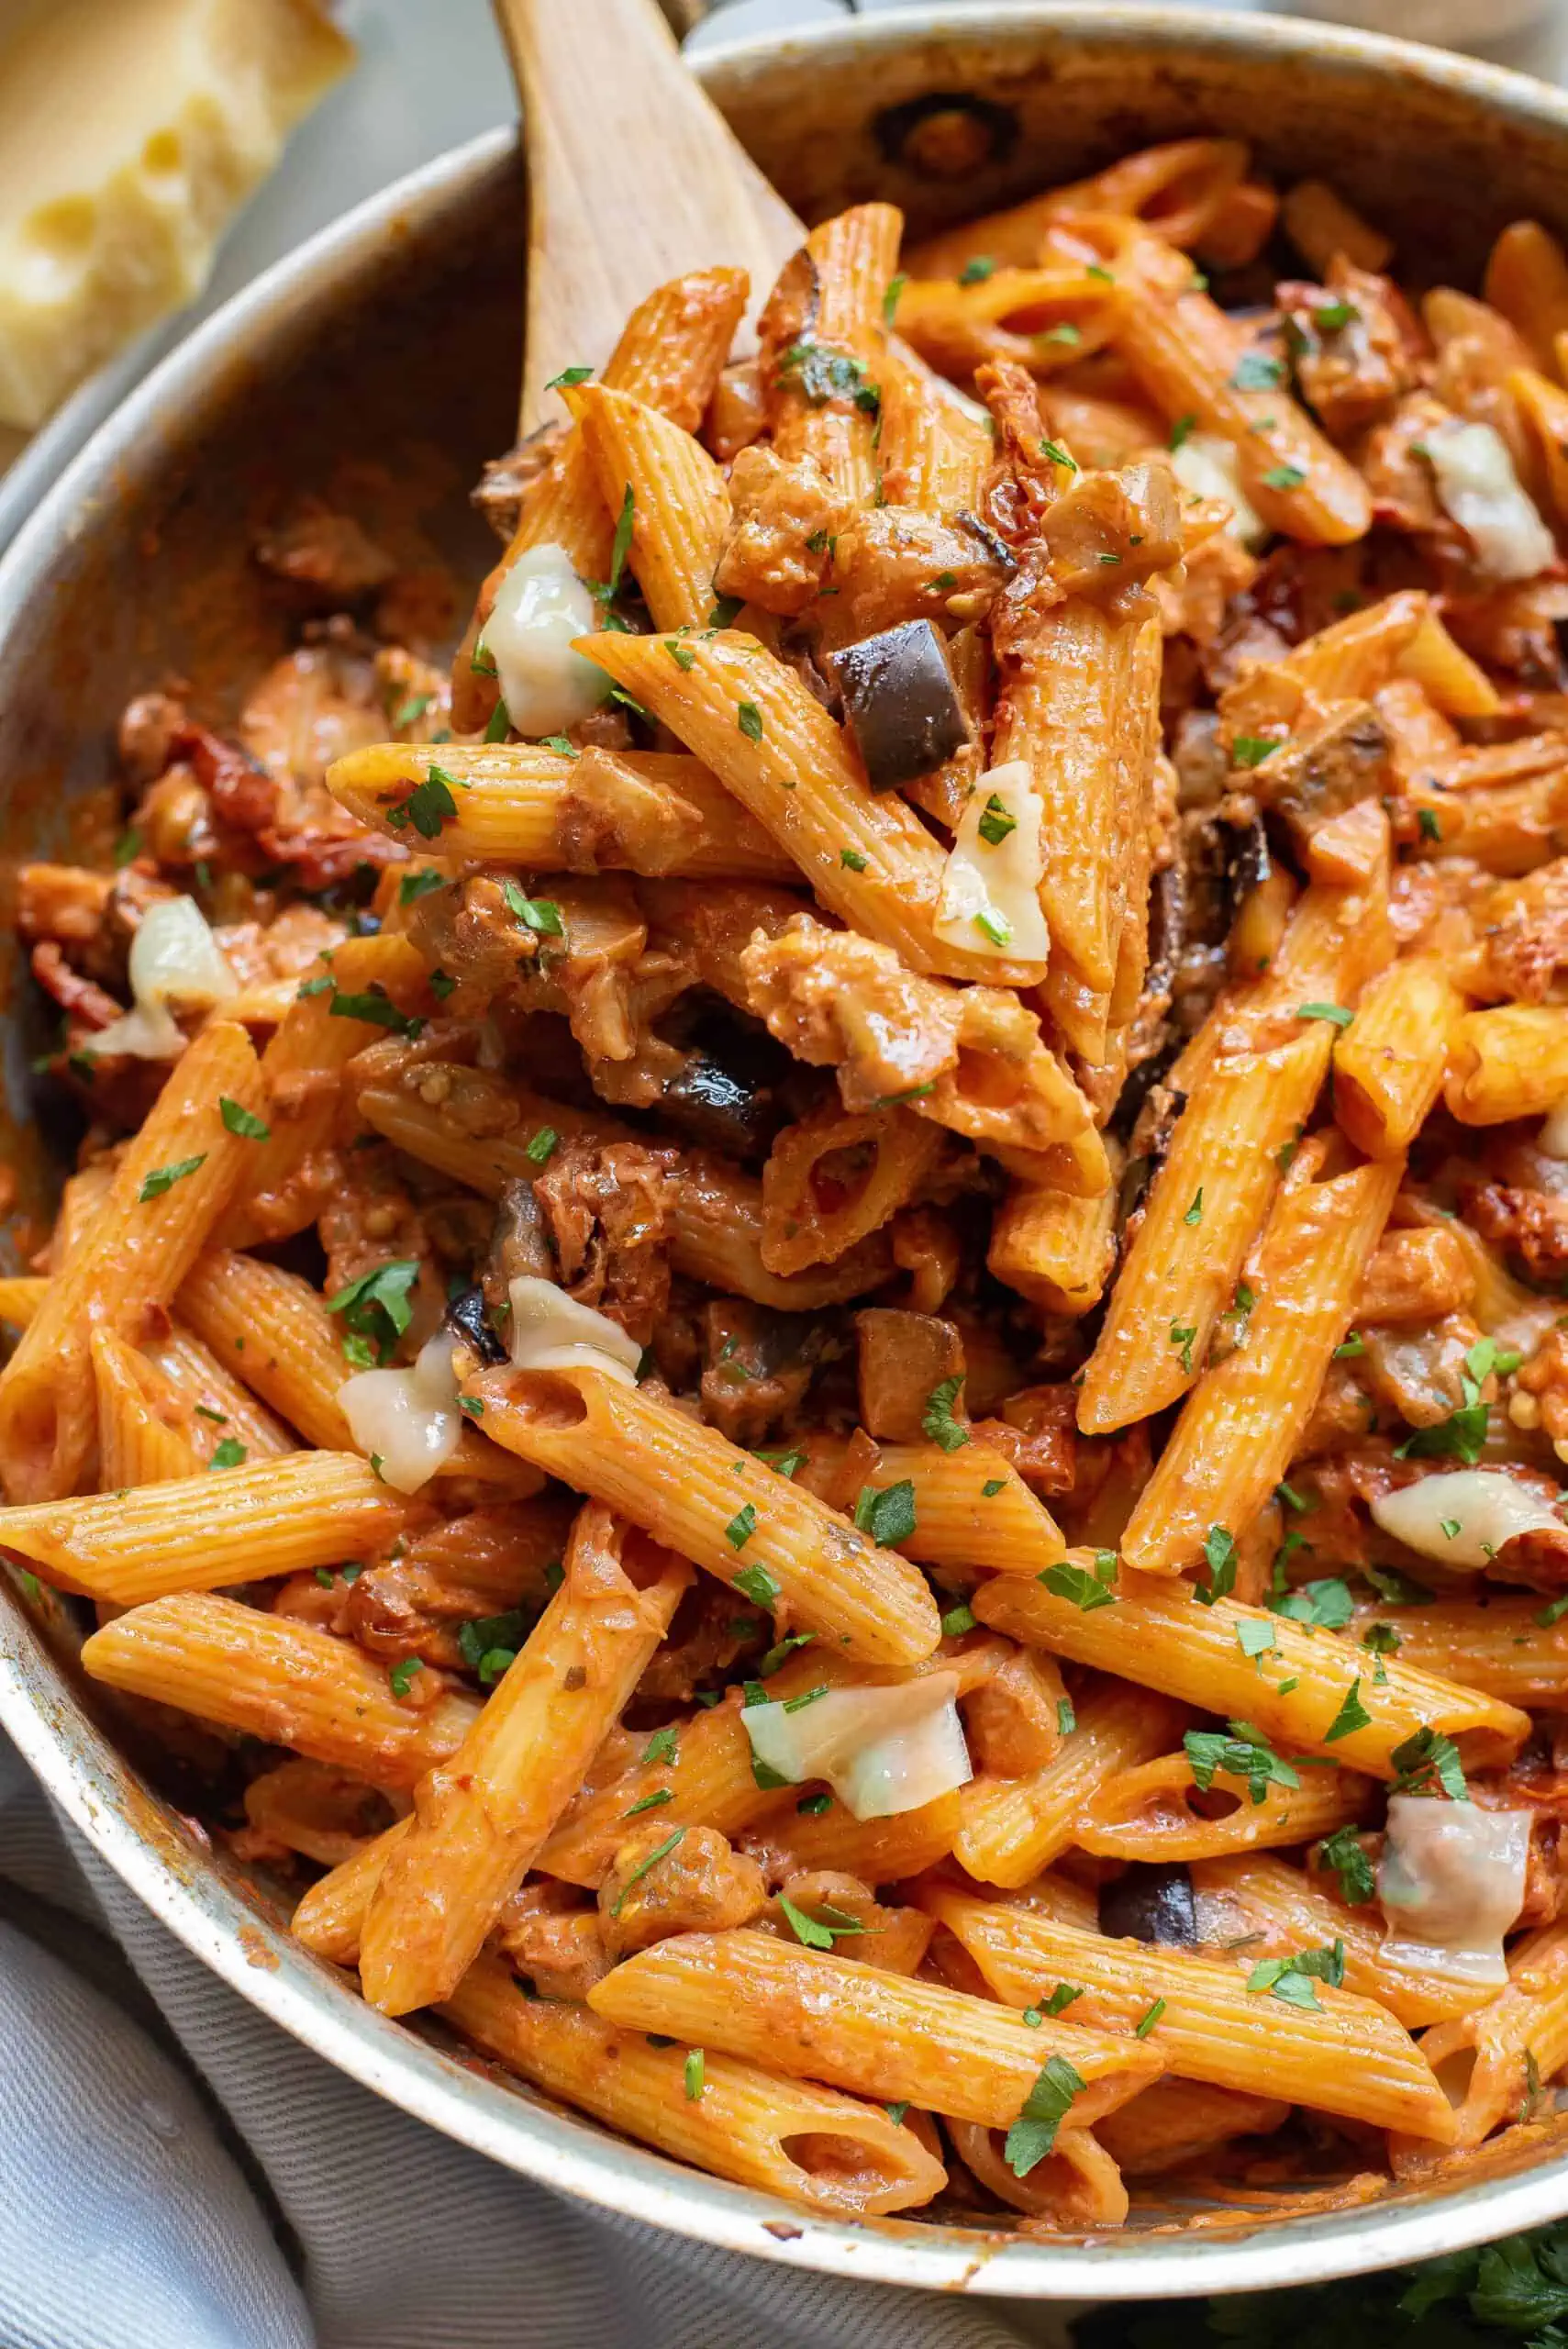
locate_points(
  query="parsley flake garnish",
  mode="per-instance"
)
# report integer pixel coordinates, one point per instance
(163, 1178)
(938, 1425)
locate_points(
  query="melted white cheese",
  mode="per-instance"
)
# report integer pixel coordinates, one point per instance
(883, 1750)
(990, 900)
(551, 1331)
(175, 961)
(1452, 1881)
(540, 605)
(1485, 1505)
(407, 1418)
(1478, 488)
(1206, 466)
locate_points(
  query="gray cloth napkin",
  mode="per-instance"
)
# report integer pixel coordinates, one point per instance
(176, 2172)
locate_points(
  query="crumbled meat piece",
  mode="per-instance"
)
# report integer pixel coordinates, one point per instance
(602, 972)
(785, 517)
(895, 1940)
(1521, 927)
(550, 1932)
(614, 816)
(757, 1367)
(607, 1213)
(896, 563)
(1355, 344)
(709, 1630)
(330, 556)
(307, 709)
(1108, 530)
(1329, 766)
(468, 930)
(370, 1219)
(903, 1359)
(84, 998)
(505, 481)
(836, 998)
(737, 412)
(1532, 1225)
(1344, 1411)
(699, 1885)
(1417, 1275)
(1013, 1720)
(1038, 1433)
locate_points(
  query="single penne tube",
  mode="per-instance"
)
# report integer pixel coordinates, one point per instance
(1146, 1813)
(277, 1328)
(1499, 1639)
(935, 453)
(829, 2153)
(701, 1496)
(1527, 280)
(1188, 357)
(1347, 660)
(1542, 407)
(557, 811)
(1273, 1907)
(1071, 704)
(1484, 2060)
(1508, 1062)
(281, 1188)
(1321, 224)
(1345, 2055)
(1509, 828)
(851, 256)
(238, 1524)
(1175, 186)
(1155, 1632)
(1241, 1425)
(670, 354)
(1390, 1062)
(481, 1817)
(1055, 1250)
(1179, 2121)
(330, 1915)
(137, 1445)
(1012, 1828)
(1181, 1270)
(215, 1395)
(1077, 2185)
(678, 502)
(861, 2028)
(1452, 680)
(750, 719)
(21, 1294)
(717, 1217)
(168, 1191)
(279, 1680)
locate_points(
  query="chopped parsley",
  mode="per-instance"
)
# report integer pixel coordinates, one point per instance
(748, 718)
(163, 1178)
(1255, 372)
(1033, 2134)
(1291, 1979)
(853, 859)
(957, 1620)
(242, 1121)
(996, 823)
(541, 915)
(1353, 1715)
(1553, 1612)
(1182, 427)
(1462, 1435)
(888, 1515)
(376, 1307)
(662, 1746)
(741, 1527)
(1333, 1012)
(1086, 1591)
(569, 376)
(1146, 2022)
(1255, 1638)
(756, 1581)
(813, 1806)
(1343, 1853)
(1194, 1213)
(822, 1931)
(682, 655)
(412, 886)
(229, 1452)
(1427, 825)
(375, 1006)
(1068, 335)
(400, 1678)
(976, 272)
(694, 2072)
(938, 1425)
(1184, 1337)
(647, 1802)
(992, 1486)
(1283, 477)
(1251, 750)
(820, 375)
(891, 291)
(1242, 1752)
(1058, 455)
(1426, 1761)
(1328, 1602)
(427, 806)
(542, 1147)
(1219, 1555)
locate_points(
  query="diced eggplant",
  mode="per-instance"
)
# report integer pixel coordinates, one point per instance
(901, 703)
(1152, 1902)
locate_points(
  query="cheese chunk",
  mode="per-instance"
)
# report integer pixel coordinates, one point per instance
(130, 131)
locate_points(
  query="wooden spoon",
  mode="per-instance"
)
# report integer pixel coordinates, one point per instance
(634, 177)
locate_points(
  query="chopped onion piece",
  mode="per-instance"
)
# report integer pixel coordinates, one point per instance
(990, 900)
(551, 1331)
(174, 960)
(1478, 488)
(1452, 1881)
(1205, 465)
(407, 1418)
(1486, 1505)
(540, 605)
(883, 1750)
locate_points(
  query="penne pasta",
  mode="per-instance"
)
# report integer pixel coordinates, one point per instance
(674, 491)
(1148, 1813)
(1389, 1063)
(1012, 1828)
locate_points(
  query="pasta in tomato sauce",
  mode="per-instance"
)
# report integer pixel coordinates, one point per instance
(819, 1315)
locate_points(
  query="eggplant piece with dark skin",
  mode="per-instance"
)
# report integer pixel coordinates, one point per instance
(726, 1097)
(1152, 1902)
(901, 703)
(466, 1319)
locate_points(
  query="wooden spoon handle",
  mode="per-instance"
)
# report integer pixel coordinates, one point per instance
(633, 177)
